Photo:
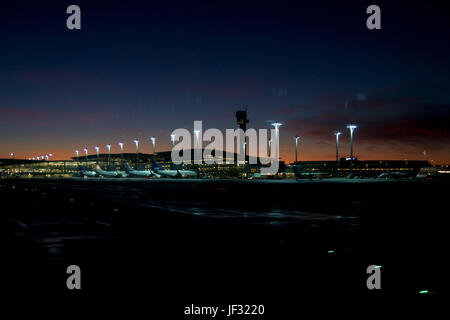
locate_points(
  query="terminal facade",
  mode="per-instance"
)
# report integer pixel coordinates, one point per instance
(143, 161)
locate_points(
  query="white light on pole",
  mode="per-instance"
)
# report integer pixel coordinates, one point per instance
(197, 132)
(86, 153)
(245, 150)
(296, 147)
(270, 144)
(154, 145)
(172, 137)
(77, 152)
(351, 127)
(277, 125)
(337, 134)
(98, 156)
(108, 146)
(121, 151)
(136, 142)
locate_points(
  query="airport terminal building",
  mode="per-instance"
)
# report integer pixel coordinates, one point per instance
(142, 161)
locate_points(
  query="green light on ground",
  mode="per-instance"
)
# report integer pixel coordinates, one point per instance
(330, 251)
(71, 200)
(116, 210)
(424, 291)
(378, 267)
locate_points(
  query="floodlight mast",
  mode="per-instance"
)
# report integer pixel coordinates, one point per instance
(337, 134)
(136, 142)
(98, 156)
(277, 125)
(108, 146)
(121, 151)
(270, 144)
(154, 146)
(351, 127)
(86, 153)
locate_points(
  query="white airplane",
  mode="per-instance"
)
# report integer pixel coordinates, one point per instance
(136, 173)
(86, 173)
(104, 173)
(172, 173)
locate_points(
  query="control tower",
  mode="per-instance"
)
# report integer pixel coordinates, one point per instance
(242, 120)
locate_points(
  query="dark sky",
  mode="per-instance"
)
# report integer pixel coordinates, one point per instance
(143, 68)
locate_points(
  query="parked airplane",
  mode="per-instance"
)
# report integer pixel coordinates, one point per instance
(86, 173)
(301, 174)
(136, 173)
(172, 173)
(394, 175)
(105, 173)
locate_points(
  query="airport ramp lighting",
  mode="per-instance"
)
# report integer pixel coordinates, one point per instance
(154, 145)
(296, 147)
(277, 125)
(136, 141)
(351, 127)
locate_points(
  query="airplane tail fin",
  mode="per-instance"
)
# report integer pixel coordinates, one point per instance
(127, 167)
(156, 166)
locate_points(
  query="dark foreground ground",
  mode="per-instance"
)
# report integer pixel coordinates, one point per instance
(173, 243)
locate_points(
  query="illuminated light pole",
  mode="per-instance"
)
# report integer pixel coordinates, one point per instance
(196, 145)
(86, 153)
(351, 127)
(277, 125)
(197, 132)
(46, 158)
(77, 152)
(245, 151)
(136, 141)
(108, 146)
(50, 155)
(154, 146)
(337, 134)
(172, 137)
(12, 155)
(270, 144)
(98, 156)
(33, 158)
(121, 151)
(296, 148)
